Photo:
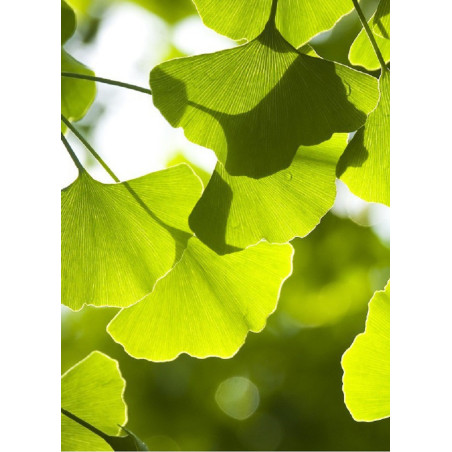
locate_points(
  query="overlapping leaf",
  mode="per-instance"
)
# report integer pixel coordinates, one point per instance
(366, 363)
(361, 52)
(254, 105)
(365, 164)
(118, 239)
(381, 23)
(76, 95)
(297, 20)
(237, 211)
(206, 305)
(92, 390)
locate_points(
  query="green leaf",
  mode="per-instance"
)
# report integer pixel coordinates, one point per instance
(366, 379)
(92, 390)
(120, 443)
(237, 211)
(362, 53)
(139, 444)
(365, 164)
(118, 239)
(68, 22)
(206, 305)
(76, 95)
(298, 21)
(254, 105)
(381, 25)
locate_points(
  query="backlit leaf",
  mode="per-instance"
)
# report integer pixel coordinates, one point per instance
(237, 211)
(118, 239)
(365, 164)
(297, 20)
(76, 95)
(256, 104)
(362, 53)
(381, 24)
(366, 382)
(206, 305)
(93, 390)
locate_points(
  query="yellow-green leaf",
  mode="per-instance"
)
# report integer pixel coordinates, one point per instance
(118, 239)
(76, 95)
(365, 164)
(381, 23)
(206, 305)
(93, 390)
(237, 211)
(297, 20)
(362, 53)
(366, 364)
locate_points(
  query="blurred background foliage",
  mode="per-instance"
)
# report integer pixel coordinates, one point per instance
(283, 389)
(289, 396)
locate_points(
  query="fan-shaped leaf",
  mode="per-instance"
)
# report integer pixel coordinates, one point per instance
(381, 24)
(76, 95)
(254, 105)
(68, 22)
(366, 364)
(237, 211)
(362, 53)
(297, 20)
(365, 164)
(118, 239)
(206, 305)
(92, 390)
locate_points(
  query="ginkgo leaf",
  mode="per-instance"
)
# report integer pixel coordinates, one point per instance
(68, 22)
(366, 380)
(206, 305)
(381, 23)
(118, 239)
(362, 53)
(237, 211)
(255, 104)
(298, 21)
(365, 164)
(76, 95)
(93, 390)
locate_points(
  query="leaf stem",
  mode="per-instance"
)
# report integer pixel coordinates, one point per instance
(72, 154)
(85, 424)
(90, 148)
(106, 81)
(370, 35)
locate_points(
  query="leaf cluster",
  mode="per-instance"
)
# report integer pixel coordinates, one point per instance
(195, 269)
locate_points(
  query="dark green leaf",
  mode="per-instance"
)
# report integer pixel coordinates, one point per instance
(256, 104)
(237, 211)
